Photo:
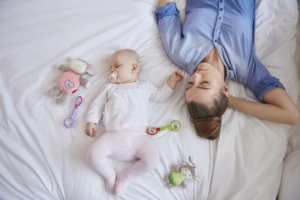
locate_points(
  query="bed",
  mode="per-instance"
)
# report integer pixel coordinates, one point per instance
(41, 159)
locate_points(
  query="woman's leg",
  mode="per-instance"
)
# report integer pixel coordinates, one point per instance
(97, 157)
(149, 159)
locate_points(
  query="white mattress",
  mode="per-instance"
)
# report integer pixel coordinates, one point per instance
(41, 159)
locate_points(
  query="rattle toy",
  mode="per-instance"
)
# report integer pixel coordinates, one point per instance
(70, 121)
(175, 125)
(178, 177)
(69, 81)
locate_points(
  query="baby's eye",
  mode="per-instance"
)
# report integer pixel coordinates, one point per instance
(204, 82)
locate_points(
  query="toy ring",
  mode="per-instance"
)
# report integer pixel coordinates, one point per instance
(70, 121)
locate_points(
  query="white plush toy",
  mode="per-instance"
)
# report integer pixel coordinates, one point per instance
(70, 79)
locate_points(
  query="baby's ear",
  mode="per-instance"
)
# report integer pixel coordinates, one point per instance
(134, 67)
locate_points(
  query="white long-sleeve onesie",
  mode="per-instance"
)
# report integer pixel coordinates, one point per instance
(126, 105)
(125, 109)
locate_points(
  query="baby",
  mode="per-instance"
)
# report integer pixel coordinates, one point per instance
(124, 105)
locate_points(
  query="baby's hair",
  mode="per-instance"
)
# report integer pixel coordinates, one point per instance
(206, 119)
(131, 54)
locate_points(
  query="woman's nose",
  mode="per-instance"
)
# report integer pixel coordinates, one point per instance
(198, 77)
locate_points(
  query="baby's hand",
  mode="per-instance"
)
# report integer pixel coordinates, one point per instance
(176, 76)
(90, 129)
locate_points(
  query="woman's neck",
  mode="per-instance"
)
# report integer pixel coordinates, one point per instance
(214, 59)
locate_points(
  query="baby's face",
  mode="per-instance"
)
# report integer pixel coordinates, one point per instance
(125, 67)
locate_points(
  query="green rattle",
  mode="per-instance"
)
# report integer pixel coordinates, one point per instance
(175, 125)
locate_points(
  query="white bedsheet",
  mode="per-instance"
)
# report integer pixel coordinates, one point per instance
(41, 159)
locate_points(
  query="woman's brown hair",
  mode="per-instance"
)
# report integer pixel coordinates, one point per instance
(208, 119)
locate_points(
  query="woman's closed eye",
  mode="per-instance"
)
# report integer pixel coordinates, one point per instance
(204, 85)
(190, 84)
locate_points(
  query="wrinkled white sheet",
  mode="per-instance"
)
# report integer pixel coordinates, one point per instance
(41, 159)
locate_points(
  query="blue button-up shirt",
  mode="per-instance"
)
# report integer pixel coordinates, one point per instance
(227, 25)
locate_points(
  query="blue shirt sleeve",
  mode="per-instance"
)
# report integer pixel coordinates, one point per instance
(168, 10)
(170, 30)
(259, 80)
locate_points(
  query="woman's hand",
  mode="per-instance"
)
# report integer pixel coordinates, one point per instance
(90, 129)
(175, 78)
(164, 2)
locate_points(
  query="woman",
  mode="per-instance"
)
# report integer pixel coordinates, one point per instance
(217, 43)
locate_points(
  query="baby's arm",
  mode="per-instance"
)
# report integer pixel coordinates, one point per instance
(279, 107)
(95, 111)
(163, 93)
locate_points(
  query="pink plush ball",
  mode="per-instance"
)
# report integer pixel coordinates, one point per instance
(68, 82)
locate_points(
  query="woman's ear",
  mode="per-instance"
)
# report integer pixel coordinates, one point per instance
(226, 90)
(134, 68)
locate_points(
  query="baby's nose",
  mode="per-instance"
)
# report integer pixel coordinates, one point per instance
(111, 71)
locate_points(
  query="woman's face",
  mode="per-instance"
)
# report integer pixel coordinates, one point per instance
(205, 83)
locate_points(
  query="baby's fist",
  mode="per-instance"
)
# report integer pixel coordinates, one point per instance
(176, 76)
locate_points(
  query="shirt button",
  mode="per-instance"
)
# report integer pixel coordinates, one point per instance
(220, 17)
(215, 40)
(221, 9)
(221, 0)
(216, 29)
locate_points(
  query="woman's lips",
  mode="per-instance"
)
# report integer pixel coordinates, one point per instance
(201, 69)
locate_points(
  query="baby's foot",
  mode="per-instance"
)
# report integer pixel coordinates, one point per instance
(110, 185)
(122, 183)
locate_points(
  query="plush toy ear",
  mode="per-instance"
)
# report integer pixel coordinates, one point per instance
(90, 72)
(197, 178)
(184, 163)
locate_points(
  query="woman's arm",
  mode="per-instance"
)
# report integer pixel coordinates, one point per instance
(279, 107)
(170, 30)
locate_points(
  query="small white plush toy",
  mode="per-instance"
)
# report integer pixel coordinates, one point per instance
(70, 79)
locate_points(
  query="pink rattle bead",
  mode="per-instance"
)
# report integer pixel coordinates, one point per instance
(113, 77)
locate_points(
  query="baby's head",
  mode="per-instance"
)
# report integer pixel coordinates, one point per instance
(126, 63)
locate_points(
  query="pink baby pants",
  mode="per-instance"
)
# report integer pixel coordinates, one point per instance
(125, 145)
